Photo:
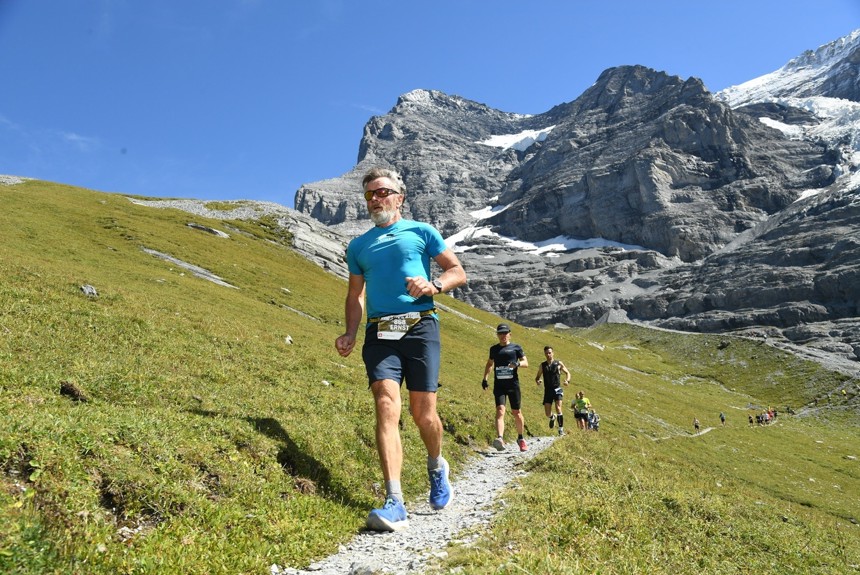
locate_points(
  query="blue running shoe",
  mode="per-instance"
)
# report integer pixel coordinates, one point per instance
(391, 517)
(441, 493)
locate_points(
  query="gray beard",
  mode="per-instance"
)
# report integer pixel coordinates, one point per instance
(382, 218)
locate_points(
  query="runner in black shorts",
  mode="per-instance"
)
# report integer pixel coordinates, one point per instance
(505, 359)
(550, 370)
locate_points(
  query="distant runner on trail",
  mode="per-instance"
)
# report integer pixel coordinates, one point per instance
(550, 371)
(580, 406)
(505, 359)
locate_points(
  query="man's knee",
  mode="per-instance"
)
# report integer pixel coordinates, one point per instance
(386, 397)
(425, 419)
(386, 403)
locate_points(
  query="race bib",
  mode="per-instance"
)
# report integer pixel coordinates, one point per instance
(396, 326)
(504, 372)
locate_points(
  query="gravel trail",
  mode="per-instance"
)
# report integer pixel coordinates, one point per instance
(476, 500)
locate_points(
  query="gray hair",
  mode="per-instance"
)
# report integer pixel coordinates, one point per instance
(378, 172)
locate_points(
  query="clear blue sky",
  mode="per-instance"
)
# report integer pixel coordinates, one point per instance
(249, 99)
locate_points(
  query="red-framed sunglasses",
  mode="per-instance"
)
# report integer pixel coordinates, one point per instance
(380, 192)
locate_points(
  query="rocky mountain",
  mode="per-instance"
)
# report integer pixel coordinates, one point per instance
(648, 197)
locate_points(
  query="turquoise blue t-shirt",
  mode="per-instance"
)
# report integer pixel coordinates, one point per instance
(386, 257)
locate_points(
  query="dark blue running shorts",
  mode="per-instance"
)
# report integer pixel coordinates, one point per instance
(553, 394)
(508, 392)
(414, 358)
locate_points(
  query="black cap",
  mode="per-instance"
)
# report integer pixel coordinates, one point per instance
(503, 328)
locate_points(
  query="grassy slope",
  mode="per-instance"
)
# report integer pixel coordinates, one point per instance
(644, 495)
(210, 445)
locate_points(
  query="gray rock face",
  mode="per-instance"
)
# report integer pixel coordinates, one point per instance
(798, 272)
(431, 139)
(687, 206)
(663, 165)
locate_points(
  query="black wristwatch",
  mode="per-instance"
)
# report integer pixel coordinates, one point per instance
(437, 284)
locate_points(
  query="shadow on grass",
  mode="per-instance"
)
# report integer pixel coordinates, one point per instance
(294, 461)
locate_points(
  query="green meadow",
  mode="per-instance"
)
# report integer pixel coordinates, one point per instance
(173, 425)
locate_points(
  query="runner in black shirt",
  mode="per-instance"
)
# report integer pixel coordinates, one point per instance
(505, 359)
(550, 370)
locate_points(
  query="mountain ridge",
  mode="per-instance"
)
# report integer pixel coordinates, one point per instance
(830, 70)
(696, 181)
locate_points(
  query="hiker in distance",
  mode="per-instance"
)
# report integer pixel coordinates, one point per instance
(550, 371)
(580, 406)
(505, 359)
(389, 270)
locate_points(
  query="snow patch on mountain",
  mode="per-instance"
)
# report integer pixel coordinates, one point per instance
(519, 142)
(550, 247)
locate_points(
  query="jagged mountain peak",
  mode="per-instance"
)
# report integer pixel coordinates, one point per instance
(423, 101)
(828, 56)
(422, 97)
(635, 79)
(432, 99)
(833, 70)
